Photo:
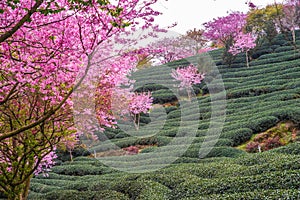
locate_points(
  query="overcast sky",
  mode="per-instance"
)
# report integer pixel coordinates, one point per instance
(191, 14)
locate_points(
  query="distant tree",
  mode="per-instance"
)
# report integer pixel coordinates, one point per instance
(243, 43)
(172, 48)
(187, 76)
(224, 30)
(139, 103)
(290, 20)
(198, 36)
(264, 22)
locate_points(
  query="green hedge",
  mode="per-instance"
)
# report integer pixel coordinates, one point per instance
(84, 195)
(292, 148)
(261, 52)
(267, 181)
(238, 136)
(260, 124)
(144, 189)
(215, 152)
(253, 195)
(80, 170)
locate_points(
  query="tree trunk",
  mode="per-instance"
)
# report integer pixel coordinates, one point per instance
(136, 121)
(71, 156)
(26, 189)
(294, 37)
(189, 94)
(247, 59)
(20, 192)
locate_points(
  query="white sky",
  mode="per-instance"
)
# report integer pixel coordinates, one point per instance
(190, 14)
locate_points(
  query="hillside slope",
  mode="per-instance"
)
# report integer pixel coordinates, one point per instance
(258, 98)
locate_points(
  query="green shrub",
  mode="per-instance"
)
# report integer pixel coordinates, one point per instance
(151, 190)
(292, 148)
(34, 196)
(85, 195)
(266, 157)
(187, 160)
(79, 170)
(214, 152)
(253, 195)
(238, 136)
(262, 124)
(42, 188)
(261, 52)
(149, 149)
(139, 188)
(266, 181)
(121, 135)
(170, 109)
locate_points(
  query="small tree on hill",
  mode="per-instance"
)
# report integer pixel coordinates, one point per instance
(187, 76)
(263, 22)
(243, 43)
(290, 20)
(224, 30)
(139, 103)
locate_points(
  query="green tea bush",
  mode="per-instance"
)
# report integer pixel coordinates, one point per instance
(121, 135)
(42, 188)
(292, 148)
(84, 195)
(262, 124)
(63, 155)
(261, 52)
(284, 49)
(238, 136)
(253, 195)
(80, 170)
(266, 181)
(146, 189)
(170, 109)
(214, 152)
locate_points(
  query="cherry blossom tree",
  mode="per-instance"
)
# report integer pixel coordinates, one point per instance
(243, 43)
(223, 31)
(291, 18)
(44, 46)
(139, 103)
(46, 164)
(169, 49)
(187, 76)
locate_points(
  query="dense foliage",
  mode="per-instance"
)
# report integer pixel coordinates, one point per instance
(48, 49)
(44, 47)
(253, 107)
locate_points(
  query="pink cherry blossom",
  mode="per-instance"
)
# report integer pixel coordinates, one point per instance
(243, 43)
(44, 47)
(221, 29)
(187, 76)
(140, 103)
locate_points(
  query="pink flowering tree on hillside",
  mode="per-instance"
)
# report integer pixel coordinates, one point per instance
(170, 49)
(243, 43)
(138, 104)
(43, 47)
(291, 18)
(224, 30)
(187, 77)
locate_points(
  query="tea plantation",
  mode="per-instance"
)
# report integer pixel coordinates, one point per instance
(257, 98)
